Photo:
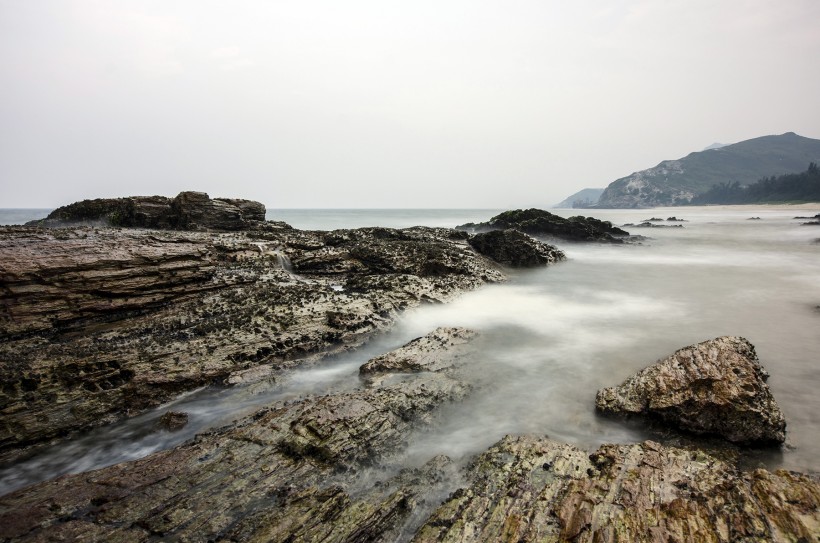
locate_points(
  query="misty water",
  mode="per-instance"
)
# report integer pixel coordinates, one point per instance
(551, 337)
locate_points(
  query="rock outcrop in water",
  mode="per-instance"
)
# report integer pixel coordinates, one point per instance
(188, 211)
(97, 323)
(715, 387)
(515, 249)
(540, 223)
(294, 471)
(528, 489)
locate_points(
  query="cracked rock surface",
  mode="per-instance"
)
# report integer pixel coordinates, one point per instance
(715, 387)
(528, 489)
(97, 324)
(289, 472)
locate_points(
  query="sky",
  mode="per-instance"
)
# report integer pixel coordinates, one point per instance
(387, 104)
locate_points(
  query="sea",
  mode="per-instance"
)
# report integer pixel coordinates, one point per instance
(551, 337)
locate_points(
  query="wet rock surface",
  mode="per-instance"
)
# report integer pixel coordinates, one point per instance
(439, 350)
(187, 211)
(515, 249)
(534, 489)
(540, 223)
(714, 387)
(290, 472)
(97, 323)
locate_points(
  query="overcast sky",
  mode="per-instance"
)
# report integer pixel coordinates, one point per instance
(445, 103)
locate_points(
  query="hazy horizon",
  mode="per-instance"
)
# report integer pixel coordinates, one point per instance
(377, 105)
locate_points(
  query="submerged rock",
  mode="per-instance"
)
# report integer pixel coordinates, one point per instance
(173, 420)
(528, 489)
(515, 249)
(538, 222)
(715, 387)
(188, 211)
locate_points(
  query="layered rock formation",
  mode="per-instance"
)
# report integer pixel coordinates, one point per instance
(528, 488)
(437, 351)
(715, 387)
(98, 324)
(326, 468)
(187, 211)
(290, 472)
(540, 223)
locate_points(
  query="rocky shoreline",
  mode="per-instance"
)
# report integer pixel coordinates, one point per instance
(100, 323)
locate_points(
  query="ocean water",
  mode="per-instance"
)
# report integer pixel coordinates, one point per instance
(21, 216)
(552, 337)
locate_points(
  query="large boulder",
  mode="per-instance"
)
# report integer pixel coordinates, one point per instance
(715, 387)
(515, 249)
(538, 222)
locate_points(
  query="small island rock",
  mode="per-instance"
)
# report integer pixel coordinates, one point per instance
(715, 387)
(537, 222)
(187, 211)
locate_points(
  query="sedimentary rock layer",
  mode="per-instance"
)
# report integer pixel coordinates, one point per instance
(528, 489)
(100, 323)
(290, 472)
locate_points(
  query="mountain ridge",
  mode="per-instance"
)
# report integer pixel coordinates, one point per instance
(676, 182)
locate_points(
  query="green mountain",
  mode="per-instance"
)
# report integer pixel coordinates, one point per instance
(676, 182)
(582, 198)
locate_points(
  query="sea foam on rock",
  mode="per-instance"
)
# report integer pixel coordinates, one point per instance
(715, 387)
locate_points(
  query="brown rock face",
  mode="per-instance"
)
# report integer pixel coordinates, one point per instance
(715, 387)
(533, 489)
(97, 324)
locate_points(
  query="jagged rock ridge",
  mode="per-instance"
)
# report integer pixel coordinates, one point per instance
(529, 489)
